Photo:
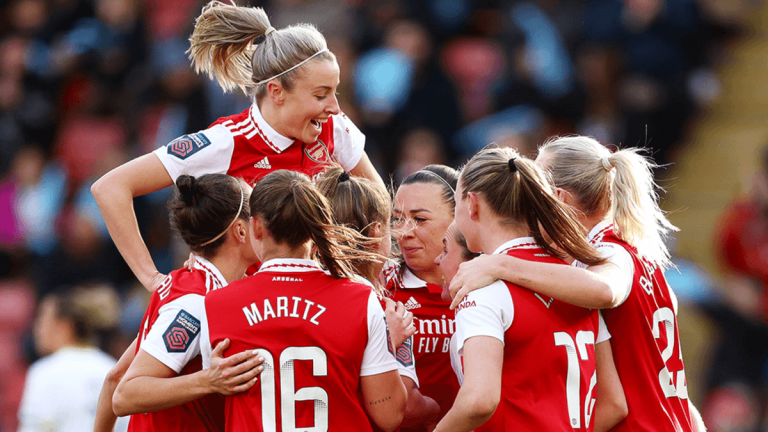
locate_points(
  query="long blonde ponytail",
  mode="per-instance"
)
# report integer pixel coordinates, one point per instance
(621, 185)
(222, 46)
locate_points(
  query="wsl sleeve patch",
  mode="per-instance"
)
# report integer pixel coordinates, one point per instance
(187, 145)
(389, 337)
(404, 354)
(182, 331)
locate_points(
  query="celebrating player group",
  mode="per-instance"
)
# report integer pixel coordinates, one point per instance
(524, 295)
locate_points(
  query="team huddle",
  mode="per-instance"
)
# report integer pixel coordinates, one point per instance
(519, 294)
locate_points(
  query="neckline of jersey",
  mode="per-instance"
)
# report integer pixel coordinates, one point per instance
(518, 243)
(207, 266)
(289, 265)
(275, 139)
(597, 230)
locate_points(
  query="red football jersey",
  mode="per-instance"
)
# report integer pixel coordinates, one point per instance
(646, 346)
(170, 333)
(319, 335)
(435, 324)
(246, 146)
(548, 376)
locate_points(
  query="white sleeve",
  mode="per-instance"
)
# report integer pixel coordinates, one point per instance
(205, 152)
(348, 142)
(377, 357)
(485, 312)
(456, 361)
(173, 338)
(205, 340)
(619, 257)
(602, 330)
(38, 409)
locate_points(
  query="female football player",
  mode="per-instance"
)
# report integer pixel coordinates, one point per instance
(614, 194)
(164, 387)
(532, 356)
(365, 206)
(322, 334)
(294, 122)
(423, 209)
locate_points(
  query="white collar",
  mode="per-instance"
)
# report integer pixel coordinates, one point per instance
(410, 280)
(274, 140)
(205, 265)
(597, 229)
(292, 265)
(518, 243)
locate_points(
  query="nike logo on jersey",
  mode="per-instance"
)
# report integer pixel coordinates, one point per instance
(412, 304)
(263, 164)
(547, 303)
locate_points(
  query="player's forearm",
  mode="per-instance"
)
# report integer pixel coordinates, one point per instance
(469, 411)
(149, 394)
(115, 201)
(568, 284)
(105, 415)
(608, 415)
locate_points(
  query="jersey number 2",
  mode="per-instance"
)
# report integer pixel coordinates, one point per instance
(573, 379)
(667, 316)
(288, 393)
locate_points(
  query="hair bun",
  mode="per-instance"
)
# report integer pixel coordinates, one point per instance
(188, 189)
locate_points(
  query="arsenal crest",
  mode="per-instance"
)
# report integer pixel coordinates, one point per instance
(318, 152)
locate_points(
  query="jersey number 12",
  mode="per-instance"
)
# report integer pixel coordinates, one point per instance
(573, 379)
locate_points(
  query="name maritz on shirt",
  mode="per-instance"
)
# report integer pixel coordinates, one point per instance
(255, 315)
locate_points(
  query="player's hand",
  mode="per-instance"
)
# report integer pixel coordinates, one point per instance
(233, 374)
(190, 263)
(155, 281)
(399, 322)
(472, 274)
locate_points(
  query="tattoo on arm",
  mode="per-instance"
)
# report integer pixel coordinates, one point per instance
(376, 402)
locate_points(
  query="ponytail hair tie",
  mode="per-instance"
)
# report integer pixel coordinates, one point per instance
(606, 164)
(188, 195)
(343, 177)
(512, 166)
(268, 31)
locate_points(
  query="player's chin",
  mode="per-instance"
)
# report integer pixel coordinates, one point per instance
(310, 134)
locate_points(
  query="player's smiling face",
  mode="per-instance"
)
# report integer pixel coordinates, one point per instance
(311, 101)
(421, 217)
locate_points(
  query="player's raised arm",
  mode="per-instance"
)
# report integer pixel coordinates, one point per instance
(114, 193)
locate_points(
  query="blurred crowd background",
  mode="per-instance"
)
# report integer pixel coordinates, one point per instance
(86, 85)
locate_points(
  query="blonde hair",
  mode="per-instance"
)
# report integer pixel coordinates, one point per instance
(620, 184)
(518, 191)
(357, 203)
(223, 45)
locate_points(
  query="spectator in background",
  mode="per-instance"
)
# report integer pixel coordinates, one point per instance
(741, 241)
(62, 389)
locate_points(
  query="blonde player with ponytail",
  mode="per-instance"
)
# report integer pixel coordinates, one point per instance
(294, 122)
(615, 197)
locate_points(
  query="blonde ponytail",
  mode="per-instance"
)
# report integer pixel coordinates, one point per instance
(635, 207)
(222, 46)
(620, 185)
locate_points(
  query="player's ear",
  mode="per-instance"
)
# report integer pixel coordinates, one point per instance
(376, 230)
(473, 205)
(276, 92)
(241, 231)
(257, 227)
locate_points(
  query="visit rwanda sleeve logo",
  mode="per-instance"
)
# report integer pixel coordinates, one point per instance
(181, 332)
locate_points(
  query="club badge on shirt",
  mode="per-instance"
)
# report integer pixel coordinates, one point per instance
(187, 145)
(182, 331)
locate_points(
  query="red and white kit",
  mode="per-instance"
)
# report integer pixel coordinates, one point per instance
(548, 376)
(645, 342)
(246, 146)
(319, 335)
(435, 324)
(171, 333)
